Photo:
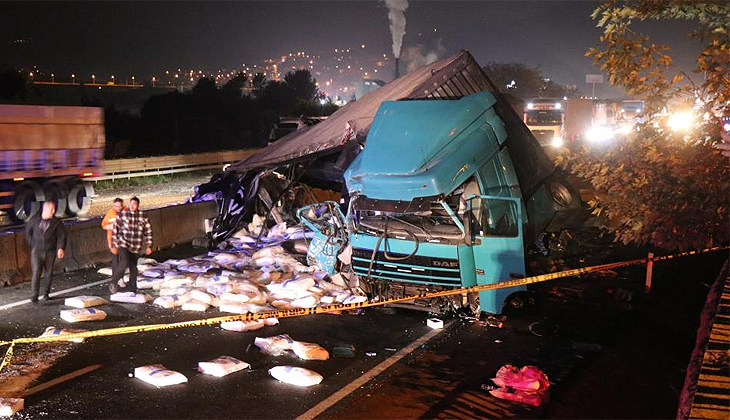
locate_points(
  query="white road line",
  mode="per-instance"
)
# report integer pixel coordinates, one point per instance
(362, 380)
(60, 292)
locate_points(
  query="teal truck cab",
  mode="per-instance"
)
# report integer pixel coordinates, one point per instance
(436, 201)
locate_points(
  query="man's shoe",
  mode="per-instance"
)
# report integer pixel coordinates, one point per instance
(34, 299)
(113, 288)
(46, 297)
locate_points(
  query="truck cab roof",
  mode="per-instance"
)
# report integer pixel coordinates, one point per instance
(423, 148)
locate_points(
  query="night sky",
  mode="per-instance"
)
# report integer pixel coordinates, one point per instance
(144, 39)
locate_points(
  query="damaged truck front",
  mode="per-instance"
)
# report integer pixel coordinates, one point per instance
(436, 202)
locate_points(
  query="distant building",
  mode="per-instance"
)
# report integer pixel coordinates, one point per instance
(365, 86)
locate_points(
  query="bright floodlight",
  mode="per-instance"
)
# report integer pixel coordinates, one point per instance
(557, 141)
(680, 121)
(726, 127)
(530, 105)
(625, 128)
(558, 105)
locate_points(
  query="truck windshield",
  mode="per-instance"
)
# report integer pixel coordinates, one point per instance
(544, 117)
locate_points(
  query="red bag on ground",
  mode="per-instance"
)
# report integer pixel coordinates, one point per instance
(529, 378)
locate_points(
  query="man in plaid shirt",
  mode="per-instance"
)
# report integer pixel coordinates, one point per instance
(131, 235)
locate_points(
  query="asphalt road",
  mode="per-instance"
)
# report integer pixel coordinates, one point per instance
(606, 356)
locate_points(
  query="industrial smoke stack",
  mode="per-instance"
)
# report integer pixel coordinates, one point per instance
(397, 17)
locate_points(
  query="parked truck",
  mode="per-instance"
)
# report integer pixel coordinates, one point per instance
(46, 152)
(446, 194)
(545, 118)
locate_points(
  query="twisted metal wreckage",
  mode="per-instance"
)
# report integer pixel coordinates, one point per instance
(308, 166)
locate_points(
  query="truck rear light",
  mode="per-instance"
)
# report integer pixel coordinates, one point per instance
(18, 179)
(87, 174)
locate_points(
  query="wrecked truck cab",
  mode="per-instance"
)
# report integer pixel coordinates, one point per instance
(436, 203)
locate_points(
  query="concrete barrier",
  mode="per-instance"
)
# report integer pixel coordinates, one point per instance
(86, 241)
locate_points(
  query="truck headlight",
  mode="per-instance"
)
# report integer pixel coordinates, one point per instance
(625, 128)
(680, 121)
(599, 134)
(557, 141)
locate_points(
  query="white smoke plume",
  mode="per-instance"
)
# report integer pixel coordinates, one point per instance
(397, 17)
(417, 56)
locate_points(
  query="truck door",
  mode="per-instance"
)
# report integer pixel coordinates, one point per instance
(496, 229)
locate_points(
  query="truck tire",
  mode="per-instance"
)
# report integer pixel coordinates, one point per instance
(79, 198)
(28, 198)
(56, 191)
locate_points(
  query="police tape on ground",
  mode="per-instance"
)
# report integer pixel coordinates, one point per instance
(289, 313)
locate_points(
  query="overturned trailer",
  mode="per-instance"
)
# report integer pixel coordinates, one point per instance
(445, 153)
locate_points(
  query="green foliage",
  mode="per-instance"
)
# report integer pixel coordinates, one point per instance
(529, 82)
(660, 187)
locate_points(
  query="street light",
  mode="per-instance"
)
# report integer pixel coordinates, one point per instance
(132, 80)
(53, 78)
(73, 79)
(31, 77)
(93, 79)
(153, 81)
(112, 79)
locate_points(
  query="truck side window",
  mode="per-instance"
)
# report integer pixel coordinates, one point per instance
(497, 218)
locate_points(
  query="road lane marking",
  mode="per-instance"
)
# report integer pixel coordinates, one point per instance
(365, 378)
(60, 379)
(54, 294)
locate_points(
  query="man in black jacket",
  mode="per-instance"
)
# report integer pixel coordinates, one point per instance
(47, 239)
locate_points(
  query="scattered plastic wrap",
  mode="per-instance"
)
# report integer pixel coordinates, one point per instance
(10, 406)
(84, 301)
(159, 376)
(79, 315)
(222, 366)
(295, 375)
(53, 331)
(527, 385)
(130, 297)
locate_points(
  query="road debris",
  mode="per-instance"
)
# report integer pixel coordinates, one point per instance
(296, 375)
(343, 350)
(527, 385)
(158, 375)
(309, 351)
(81, 302)
(10, 406)
(86, 314)
(435, 323)
(222, 366)
(496, 321)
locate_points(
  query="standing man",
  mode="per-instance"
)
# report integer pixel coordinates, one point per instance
(108, 223)
(131, 236)
(47, 239)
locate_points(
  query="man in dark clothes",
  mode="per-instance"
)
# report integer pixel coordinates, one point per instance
(47, 239)
(131, 236)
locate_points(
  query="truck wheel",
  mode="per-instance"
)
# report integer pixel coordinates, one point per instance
(518, 303)
(57, 192)
(79, 198)
(28, 199)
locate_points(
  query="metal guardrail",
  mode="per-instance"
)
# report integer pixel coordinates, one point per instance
(162, 165)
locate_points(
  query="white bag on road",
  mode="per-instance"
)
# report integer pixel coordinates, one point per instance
(222, 366)
(241, 326)
(10, 406)
(295, 375)
(158, 375)
(84, 301)
(130, 297)
(86, 314)
(53, 331)
(309, 351)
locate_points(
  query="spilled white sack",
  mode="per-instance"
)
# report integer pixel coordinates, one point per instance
(241, 326)
(86, 314)
(158, 375)
(194, 305)
(84, 301)
(53, 331)
(309, 351)
(222, 366)
(10, 406)
(169, 302)
(295, 375)
(274, 346)
(130, 297)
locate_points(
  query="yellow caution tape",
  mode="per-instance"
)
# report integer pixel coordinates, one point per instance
(289, 313)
